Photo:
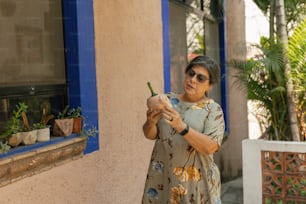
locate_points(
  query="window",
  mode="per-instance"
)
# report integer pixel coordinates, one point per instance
(32, 61)
(192, 32)
(42, 58)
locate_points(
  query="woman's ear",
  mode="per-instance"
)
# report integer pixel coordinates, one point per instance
(209, 89)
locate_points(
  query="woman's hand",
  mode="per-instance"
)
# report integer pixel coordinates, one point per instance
(201, 142)
(149, 128)
(153, 116)
(173, 118)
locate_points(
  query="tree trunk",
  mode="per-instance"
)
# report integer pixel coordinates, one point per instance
(283, 37)
(271, 19)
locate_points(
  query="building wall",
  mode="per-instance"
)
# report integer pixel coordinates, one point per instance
(128, 39)
(230, 156)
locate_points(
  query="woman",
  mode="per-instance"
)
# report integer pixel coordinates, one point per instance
(182, 169)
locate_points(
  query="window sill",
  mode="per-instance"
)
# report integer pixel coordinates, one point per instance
(30, 160)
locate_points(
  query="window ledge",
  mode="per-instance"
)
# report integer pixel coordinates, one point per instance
(19, 166)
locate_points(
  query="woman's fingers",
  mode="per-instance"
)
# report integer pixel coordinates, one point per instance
(153, 115)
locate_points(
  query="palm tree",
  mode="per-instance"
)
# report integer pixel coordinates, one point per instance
(297, 58)
(263, 76)
(283, 37)
(269, 79)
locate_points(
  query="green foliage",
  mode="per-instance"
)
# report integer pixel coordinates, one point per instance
(297, 58)
(216, 9)
(63, 114)
(294, 9)
(87, 131)
(264, 78)
(13, 124)
(75, 112)
(70, 112)
(37, 126)
(4, 147)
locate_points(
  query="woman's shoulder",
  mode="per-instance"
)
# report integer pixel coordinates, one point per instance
(215, 107)
(208, 105)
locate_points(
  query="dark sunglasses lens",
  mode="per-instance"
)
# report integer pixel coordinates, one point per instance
(201, 78)
(191, 73)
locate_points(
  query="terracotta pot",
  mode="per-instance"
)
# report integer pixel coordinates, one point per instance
(43, 135)
(77, 125)
(29, 138)
(63, 127)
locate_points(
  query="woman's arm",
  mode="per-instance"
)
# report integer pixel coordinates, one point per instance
(201, 142)
(150, 129)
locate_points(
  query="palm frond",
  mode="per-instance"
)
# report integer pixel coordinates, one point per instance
(297, 56)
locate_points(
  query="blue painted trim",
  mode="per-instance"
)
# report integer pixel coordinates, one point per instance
(166, 45)
(80, 62)
(224, 78)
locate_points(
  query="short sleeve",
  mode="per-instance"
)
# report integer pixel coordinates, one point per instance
(214, 124)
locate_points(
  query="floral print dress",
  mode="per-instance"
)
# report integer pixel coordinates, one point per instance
(177, 172)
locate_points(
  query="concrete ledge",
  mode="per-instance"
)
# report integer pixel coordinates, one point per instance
(16, 167)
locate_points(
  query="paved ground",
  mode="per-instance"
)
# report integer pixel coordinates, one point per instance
(232, 192)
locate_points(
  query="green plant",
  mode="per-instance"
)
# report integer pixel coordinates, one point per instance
(263, 76)
(297, 57)
(14, 123)
(75, 112)
(70, 112)
(39, 126)
(265, 80)
(63, 114)
(45, 118)
(4, 147)
(87, 131)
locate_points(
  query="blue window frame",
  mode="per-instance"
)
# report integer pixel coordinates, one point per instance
(167, 61)
(80, 62)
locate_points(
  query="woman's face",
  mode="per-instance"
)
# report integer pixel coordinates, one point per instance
(196, 82)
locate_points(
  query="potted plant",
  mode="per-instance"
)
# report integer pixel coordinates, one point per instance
(43, 129)
(43, 132)
(63, 124)
(13, 127)
(75, 113)
(29, 135)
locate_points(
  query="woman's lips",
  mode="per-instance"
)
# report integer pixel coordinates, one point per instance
(189, 86)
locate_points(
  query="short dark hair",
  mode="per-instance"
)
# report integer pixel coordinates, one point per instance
(207, 63)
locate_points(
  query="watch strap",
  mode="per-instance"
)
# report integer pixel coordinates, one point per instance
(185, 131)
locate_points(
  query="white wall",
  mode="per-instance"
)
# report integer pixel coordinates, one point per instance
(252, 174)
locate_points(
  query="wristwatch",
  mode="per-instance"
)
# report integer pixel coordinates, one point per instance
(185, 131)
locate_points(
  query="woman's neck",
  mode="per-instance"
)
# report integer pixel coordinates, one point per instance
(186, 98)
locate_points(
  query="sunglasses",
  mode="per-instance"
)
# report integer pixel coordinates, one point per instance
(200, 77)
